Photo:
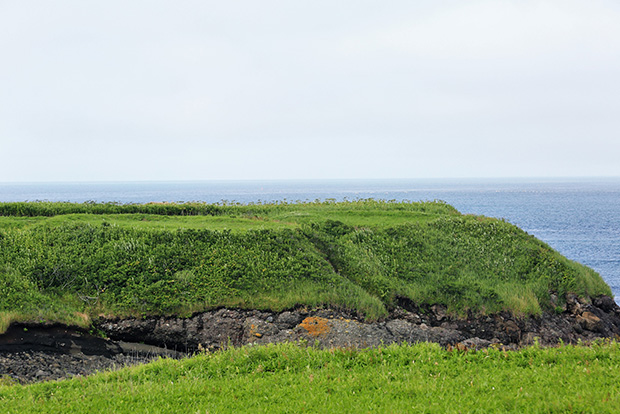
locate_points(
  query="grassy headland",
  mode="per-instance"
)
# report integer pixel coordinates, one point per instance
(66, 262)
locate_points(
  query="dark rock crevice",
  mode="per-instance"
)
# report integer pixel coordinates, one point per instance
(38, 352)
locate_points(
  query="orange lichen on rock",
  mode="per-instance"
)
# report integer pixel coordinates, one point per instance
(254, 331)
(315, 326)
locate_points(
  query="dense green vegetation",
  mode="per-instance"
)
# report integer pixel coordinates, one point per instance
(61, 261)
(291, 378)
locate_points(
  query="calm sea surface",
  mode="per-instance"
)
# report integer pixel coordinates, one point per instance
(578, 217)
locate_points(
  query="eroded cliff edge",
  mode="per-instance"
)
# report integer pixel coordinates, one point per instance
(30, 352)
(579, 321)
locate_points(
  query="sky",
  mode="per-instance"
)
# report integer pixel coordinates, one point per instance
(216, 90)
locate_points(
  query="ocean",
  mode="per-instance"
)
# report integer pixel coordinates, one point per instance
(579, 217)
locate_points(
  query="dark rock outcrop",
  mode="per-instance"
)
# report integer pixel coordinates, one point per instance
(137, 340)
(581, 321)
(35, 352)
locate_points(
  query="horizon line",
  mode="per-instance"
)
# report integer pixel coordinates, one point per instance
(203, 180)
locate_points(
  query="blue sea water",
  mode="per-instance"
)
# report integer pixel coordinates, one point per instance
(578, 217)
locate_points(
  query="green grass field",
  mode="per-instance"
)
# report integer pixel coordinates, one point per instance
(288, 378)
(59, 261)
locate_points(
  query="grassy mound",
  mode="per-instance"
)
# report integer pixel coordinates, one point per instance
(64, 262)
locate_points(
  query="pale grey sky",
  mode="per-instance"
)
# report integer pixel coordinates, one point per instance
(198, 90)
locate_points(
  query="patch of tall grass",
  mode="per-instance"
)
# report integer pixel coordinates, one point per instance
(463, 262)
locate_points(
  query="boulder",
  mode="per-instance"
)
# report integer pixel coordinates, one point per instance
(590, 322)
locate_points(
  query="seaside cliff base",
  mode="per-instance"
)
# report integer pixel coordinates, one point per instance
(38, 352)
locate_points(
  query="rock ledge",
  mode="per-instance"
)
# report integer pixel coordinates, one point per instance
(31, 352)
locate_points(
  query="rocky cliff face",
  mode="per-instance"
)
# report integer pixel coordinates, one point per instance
(407, 324)
(34, 352)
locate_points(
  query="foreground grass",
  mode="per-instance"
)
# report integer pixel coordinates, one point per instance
(63, 261)
(290, 378)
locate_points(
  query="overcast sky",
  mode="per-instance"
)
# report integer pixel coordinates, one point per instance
(199, 90)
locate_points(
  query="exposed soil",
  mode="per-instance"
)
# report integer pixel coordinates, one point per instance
(34, 352)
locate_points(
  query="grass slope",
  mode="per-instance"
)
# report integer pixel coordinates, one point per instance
(66, 262)
(291, 378)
